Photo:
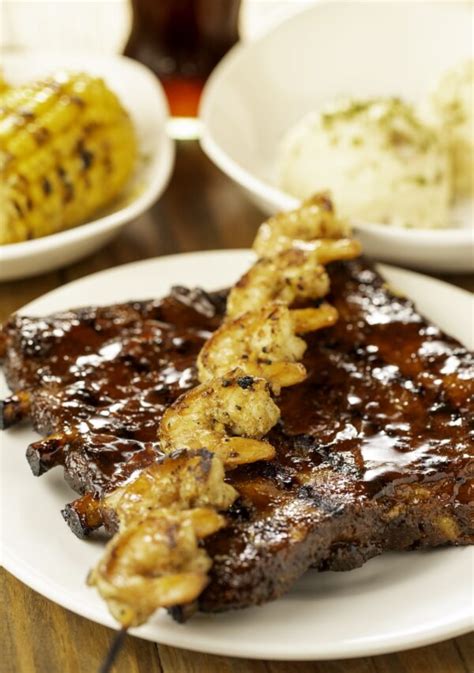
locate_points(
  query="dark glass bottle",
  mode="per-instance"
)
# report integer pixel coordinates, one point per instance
(182, 41)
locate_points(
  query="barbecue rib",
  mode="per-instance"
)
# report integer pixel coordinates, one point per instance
(374, 451)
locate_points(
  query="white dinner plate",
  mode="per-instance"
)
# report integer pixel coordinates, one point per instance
(143, 97)
(395, 601)
(360, 49)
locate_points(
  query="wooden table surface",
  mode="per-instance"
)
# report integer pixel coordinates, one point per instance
(200, 210)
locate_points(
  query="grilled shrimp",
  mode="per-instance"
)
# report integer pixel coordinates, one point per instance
(264, 343)
(155, 559)
(183, 478)
(228, 415)
(155, 562)
(315, 222)
(292, 274)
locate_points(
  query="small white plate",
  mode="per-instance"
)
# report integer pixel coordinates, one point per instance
(143, 97)
(360, 49)
(394, 602)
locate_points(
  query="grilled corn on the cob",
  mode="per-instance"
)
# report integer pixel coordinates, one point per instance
(3, 83)
(67, 147)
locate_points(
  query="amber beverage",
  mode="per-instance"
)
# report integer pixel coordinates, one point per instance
(182, 41)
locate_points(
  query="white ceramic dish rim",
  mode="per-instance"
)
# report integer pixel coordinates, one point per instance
(264, 189)
(158, 178)
(347, 648)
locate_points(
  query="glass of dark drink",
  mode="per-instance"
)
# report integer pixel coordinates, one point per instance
(182, 41)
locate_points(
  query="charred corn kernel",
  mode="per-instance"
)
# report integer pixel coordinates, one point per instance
(67, 148)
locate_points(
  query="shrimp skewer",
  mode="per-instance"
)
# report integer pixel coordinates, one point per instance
(314, 221)
(228, 415)
(290, 275)
(185, 478)
(156, 562)
(155, 559)
(264, 343)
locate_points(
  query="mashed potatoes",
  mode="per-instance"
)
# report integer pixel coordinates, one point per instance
(450, 107)
(380, 162)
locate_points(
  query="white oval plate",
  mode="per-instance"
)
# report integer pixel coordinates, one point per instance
(394, 602)
(142, 95)
(360, 49)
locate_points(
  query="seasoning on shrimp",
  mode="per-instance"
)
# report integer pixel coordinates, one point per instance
(315, 220)
(228, 416)
(291, 274)
(264, 343)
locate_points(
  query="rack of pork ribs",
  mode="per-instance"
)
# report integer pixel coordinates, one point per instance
(374, 449)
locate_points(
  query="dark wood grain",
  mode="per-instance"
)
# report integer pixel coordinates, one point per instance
(200, 210)
(38, 635)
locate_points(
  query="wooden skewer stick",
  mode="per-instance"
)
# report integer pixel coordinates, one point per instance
(114, 650)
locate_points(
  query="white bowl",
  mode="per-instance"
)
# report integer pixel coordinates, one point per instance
(142, 95)
(261, 89)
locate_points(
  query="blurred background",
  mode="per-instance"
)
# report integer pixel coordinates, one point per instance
(104, 25)
(243, 126)
(181, 40)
